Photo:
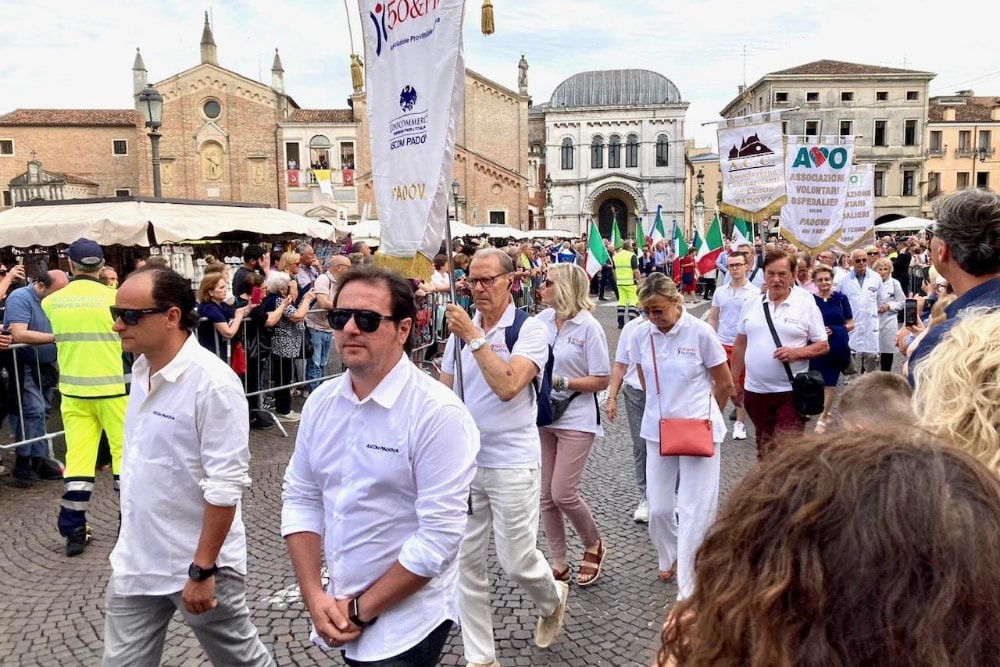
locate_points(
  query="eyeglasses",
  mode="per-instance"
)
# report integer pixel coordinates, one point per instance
(737, 265)
(656, 312)
(131, 316)
(873, 254)
(367, 320)
(861, 260)
(485, 282)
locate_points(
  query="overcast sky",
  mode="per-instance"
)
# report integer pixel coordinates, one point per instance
(61, 54)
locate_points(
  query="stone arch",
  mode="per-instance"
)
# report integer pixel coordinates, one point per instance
(599, 205)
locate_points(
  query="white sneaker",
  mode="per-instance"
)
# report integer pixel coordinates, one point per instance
(641, 512)
(548, 627)
(292, 416)
(739, 431)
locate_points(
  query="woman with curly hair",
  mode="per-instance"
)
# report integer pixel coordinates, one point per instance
(870, 549)
(958, 388)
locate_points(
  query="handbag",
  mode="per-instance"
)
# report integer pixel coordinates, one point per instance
(238, 361)
(683, 437)
(808, 387)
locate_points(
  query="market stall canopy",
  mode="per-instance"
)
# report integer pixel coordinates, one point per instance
(552, 233)
(499, 232)
(371, 230)
(903, 225)
(146, 221)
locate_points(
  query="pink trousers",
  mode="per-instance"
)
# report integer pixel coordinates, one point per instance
(564, 456)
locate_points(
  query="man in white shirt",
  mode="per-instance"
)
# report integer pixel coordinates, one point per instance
(182, 544)
(506, 490)
(317, 327)
(861, 287)
(754, 273)
(830, 259)
(724, 317)
(767, 391)
(378, 487)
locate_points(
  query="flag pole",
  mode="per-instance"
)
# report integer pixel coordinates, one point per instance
(453, 293)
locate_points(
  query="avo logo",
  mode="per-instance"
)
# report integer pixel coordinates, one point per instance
(817, 156)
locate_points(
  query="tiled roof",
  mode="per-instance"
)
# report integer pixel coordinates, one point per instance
(340, 116)
(975, 110)
(51, 177)
(827, 67)
(63, 117)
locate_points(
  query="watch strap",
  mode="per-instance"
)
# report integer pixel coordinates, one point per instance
(354, 615)
(197, 573)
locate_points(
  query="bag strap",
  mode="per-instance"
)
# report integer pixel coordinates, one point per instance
(656, 375)
(777, 341)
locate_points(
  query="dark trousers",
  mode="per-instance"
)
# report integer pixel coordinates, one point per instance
(281, 374)
(772, 415)
(708, 288)
(425, 654)
(885, 361)
(608, 280)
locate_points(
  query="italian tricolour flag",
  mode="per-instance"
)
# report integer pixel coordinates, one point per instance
(711, 247)
(597, 254)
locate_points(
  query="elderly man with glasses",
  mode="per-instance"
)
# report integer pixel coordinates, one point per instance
(862, 287)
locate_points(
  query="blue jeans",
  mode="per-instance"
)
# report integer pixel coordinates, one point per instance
(322, 342)
(29, 421)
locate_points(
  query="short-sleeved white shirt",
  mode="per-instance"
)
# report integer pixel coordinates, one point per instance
(729, 300)
(622, 351)
(798, 322)
(507, 430)
(580, 349)
(684, 356)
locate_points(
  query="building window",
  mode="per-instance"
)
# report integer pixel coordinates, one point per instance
(784, 127)
(615, 152)
(935, 143)
(781, 98)
(879, 182)
(567, 153)
(6, 146)
(881, 130)
(662, 151)
(812, 98)
(984, 141)
(498, 217)
(964, 143)
(124, 192)
(119, 147)
(847, 128)
(847, 96)
(347, 155)
(292, 155)
(933, 184)
(882, 96)
(597, 153)
(212, 109)
(319, 152)
(912, 95)
(962, 180)
(909, 133)
(982, 179)
(909, 177)
(812, 128)
(632, 151)
(6, 198)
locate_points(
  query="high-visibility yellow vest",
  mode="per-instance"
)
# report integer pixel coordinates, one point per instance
(624, 273)
(89, 351)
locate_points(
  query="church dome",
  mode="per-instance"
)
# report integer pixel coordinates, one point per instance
(615, 88)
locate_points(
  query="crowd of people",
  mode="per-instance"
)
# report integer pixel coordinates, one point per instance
(859, 543)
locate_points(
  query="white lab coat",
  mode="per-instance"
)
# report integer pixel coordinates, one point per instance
(893, 295)
(864, 303)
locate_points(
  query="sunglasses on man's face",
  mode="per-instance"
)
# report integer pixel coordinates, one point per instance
(367, 320)
(131, 316)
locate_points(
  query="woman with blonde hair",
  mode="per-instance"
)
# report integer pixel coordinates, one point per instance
(890, 302)
(683, 370)
(958, 388)
(581, 368)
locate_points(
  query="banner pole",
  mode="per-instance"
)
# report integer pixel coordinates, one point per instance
(453, 292)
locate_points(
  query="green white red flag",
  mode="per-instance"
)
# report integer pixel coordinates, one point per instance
(597, 254)
(711, 247)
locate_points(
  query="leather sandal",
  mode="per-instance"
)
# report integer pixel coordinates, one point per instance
(666, 576)
(564, 575)
(590, 568)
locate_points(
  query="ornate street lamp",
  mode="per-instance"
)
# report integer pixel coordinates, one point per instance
(151, 104)
(699, 202)
(455, 187)
(548, 200)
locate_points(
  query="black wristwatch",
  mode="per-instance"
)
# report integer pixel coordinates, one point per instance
(196, 573)
(354, 615)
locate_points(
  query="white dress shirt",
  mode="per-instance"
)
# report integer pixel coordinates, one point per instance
(622, 351)
(186, 444)
(385, 479)
(507, 429)
(579, 350)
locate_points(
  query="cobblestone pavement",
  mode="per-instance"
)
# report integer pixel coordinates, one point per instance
(52, 612)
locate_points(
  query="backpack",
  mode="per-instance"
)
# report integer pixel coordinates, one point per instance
(543, 390)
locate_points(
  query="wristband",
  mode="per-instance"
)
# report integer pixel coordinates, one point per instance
(354, 615)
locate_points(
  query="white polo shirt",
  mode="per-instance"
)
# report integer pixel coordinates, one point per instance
(580, 349)
(798, 322)
(507, 430)
(385, 479)
(729, 300)
(684, 356)
(622, 351)
(186, 444)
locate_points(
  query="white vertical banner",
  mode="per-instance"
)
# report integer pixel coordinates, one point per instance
(858, 226)
(415, 74)
(817, 170)
(751, 157)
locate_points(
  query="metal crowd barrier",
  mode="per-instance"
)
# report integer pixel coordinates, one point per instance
(11, 383)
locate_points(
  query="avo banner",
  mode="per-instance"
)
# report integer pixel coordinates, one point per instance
(858, 227)
(818, 171)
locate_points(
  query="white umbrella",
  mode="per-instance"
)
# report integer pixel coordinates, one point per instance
(903, 225)
(552, 233)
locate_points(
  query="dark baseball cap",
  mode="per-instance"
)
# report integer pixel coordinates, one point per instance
(85, 253)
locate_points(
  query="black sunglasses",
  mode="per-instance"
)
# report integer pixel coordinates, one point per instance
(131, 316)
(367, 320)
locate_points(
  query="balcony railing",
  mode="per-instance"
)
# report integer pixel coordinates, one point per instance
(981, 152)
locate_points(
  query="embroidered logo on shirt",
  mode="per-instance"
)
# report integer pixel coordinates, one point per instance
(382, 448)
(689, 352)
(160, 414)
(579, 342)
(792, 321)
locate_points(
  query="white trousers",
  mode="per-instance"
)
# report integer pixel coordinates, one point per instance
(695, 498)
(506, 501)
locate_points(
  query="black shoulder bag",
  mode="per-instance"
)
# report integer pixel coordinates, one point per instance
(807, 387)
